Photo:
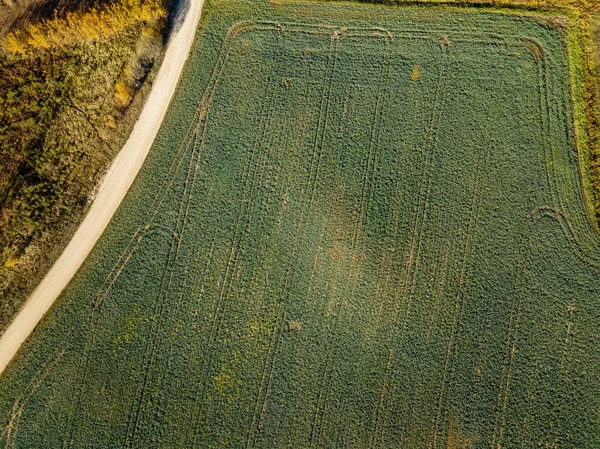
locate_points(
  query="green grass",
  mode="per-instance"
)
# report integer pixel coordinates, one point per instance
(326, 250)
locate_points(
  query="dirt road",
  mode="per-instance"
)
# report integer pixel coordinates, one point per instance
(114, 187)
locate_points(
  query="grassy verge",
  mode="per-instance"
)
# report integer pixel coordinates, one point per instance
(65, 111)
(593, 40)
(584, 96)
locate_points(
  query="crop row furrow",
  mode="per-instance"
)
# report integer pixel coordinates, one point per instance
(459, 303)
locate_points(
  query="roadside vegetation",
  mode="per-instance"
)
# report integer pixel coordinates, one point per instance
(71, 88)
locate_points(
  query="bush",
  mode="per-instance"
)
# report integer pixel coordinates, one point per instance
(83, 26)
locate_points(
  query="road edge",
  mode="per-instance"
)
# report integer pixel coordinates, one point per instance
(115, 186)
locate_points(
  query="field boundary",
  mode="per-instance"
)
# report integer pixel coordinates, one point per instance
(191, 146)
(192, 141)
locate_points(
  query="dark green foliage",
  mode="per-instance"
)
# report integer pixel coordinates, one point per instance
(358, 227)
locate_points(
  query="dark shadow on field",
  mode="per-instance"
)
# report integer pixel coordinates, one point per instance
(177, 13)
(485, 4)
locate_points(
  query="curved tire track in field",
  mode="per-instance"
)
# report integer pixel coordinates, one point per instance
(119, 178)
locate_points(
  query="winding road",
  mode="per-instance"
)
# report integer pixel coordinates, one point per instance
(114, 187)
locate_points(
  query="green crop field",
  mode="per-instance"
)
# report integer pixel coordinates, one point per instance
(359, 227)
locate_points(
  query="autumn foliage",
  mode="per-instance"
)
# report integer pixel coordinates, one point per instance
(83, 26)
